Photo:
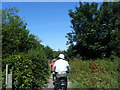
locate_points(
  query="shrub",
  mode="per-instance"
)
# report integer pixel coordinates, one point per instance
(22, 71)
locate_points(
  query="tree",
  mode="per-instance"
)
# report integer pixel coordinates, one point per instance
(48, 52)
(23, 52)
(94, 30)
(14, 32)
(16, 37)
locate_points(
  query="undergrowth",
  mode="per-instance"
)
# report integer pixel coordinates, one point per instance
(101, 73)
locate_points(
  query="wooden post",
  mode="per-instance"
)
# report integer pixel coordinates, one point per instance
(6, 74)
(9, 85)
(8, 79)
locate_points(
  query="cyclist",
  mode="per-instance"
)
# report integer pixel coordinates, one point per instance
(52, 69)
(61, 65)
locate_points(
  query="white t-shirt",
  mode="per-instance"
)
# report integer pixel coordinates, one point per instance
(61, 65)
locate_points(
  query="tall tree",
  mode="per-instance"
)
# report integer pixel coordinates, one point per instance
(94, 30)
(16, 37)
(14, 31)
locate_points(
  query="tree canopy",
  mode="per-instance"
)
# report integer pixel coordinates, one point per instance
(95, 29)
(23, 52)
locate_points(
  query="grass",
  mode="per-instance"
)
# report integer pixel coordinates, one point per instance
(94, 74)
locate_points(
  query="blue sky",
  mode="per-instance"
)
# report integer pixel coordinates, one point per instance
(47, 20)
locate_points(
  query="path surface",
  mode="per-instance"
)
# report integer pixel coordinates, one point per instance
(50, 83)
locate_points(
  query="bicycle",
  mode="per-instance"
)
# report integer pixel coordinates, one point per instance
(60, 82)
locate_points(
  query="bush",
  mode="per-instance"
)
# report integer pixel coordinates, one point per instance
(22, 71)
(39, 59)
(29, 70)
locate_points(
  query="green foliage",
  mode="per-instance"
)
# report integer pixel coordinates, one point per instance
(22, 69)
(95, 74)
(39, 59)
(14, 32)
(57, 53)
(16, 37)
(49, 52)
(23, 52)
(95, 29)
(118, 47)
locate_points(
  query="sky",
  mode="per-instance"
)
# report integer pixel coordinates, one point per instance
(49, 21)
(55, 0)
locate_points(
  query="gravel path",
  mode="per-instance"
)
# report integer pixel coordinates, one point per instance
(50, 83)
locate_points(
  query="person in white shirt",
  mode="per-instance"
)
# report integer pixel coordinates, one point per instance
(61, 65)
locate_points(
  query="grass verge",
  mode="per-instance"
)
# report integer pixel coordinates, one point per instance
(95, 74)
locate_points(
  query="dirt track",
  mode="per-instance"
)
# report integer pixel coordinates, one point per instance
(50, 83)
